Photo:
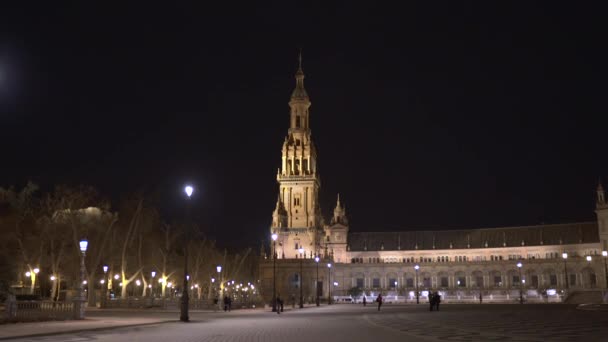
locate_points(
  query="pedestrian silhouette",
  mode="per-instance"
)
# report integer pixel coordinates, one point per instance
(379, 300)
(364, 301)
(435, 300)
(226, 300)
(279, 304)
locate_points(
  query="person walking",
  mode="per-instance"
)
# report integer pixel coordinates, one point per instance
(437, 298)
(226, 303)
(379, 300)
(364, 301)
(432, 300)
(279, 304)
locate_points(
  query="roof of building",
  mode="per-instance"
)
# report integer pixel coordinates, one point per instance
(553, 234)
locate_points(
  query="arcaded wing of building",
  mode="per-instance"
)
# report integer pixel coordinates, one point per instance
(541, 262)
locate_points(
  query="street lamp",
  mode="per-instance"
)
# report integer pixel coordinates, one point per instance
(589, 260)
(329, 285)
(79, 307)
(185, 297)
(152, 274)
(521, 290)
(565, 257)
(605, 255)
(105, 288)
(301, 250)
(417, 267)
(218, 268)
(36, 270)
(317, 283)
(274, 237)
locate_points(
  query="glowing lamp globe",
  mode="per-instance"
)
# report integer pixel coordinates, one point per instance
(604, 253)
(219, 269)
(189, 190)
(519, 264)
(274, 237)
(83, 245)
(105, 269)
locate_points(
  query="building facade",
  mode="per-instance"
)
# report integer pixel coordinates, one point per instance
(542, 262)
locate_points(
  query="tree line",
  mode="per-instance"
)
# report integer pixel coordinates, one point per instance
(40, 245)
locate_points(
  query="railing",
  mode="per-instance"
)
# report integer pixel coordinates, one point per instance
(170, 304)
(37, 311)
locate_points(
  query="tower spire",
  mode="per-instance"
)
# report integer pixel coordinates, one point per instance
(601, 199)
(300, 61)
(299, 93)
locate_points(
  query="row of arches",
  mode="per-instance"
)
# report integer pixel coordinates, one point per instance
(494, 278)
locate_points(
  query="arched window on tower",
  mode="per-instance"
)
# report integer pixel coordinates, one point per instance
(297, 121)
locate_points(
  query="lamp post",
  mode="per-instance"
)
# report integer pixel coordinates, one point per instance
(34, 274)
(105, 287)
(589, 258)
(218, 268)
(301, 250)
(274, 237)
(79, 305)
(417, 267)
(605, 255)
(521, 290)
(54, 298)
(185, 297)
(329, 285)
(565, 257)
(152, 276)
(317, 283)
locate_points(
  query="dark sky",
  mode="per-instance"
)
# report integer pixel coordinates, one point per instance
(430, 115)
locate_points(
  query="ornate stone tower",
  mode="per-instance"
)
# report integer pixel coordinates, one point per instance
(336, 234)
(601, 210)
(297, 217)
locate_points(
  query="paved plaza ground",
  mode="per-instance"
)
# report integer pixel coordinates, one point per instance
(346, 322)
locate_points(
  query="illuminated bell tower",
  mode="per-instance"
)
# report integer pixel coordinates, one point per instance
(601, 210)
(299, 182)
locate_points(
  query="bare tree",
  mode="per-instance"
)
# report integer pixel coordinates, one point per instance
(88, 217)
(24, 230)
(128, 240)
(167, 253)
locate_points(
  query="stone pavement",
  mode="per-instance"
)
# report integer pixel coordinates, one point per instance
(552, 322)
(98, 319)
(30, 329)
(348, 322)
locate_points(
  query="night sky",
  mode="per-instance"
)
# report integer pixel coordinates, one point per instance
(427, 116)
